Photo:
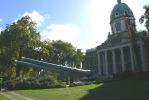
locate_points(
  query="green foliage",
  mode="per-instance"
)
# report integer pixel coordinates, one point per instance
(22, 39)
(1, 82)
(145, 17)
(15, 40)
(60, 52)
(44, 82)
(79, 57)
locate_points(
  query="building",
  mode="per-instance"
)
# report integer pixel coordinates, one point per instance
(124, 50)
(91, 60)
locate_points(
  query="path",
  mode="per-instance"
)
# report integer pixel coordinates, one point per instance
(15, 96)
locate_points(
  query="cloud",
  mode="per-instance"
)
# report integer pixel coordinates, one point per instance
(35, 16)
(66, 32)
(98, 23)
(1, 20)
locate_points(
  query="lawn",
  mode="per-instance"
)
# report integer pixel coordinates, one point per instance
(3, 98)
(112, 90)
(71, 93)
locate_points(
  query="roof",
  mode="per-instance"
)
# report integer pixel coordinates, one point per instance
(120, 10)
(119, 40)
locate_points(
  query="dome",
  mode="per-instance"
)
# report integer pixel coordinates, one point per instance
(120, 10)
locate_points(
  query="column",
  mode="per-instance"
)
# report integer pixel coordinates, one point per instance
(132, 60)
(142, 58)
(106, 63)
(99, 64)
(113, 61)
(122, 60)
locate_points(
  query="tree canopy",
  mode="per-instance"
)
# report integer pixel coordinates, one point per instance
(21, 38)
(145, 17)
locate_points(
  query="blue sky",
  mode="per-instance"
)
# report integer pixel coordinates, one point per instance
(84, 23)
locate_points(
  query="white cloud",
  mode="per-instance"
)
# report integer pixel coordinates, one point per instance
(35, 16)
(66, 32)
(99, 19)
(1, 20)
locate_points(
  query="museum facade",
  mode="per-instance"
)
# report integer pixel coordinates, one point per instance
(124, 50)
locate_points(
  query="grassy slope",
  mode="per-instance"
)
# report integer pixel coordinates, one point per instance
(114, 90)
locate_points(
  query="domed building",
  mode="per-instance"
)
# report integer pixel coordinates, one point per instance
(120, 13)
(124, 50)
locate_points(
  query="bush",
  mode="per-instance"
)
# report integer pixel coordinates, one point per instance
(58, 85)
(1, 82)
(33, 84)
(10, 84)
(80, 83)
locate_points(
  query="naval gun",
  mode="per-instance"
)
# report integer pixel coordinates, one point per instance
(53, 67)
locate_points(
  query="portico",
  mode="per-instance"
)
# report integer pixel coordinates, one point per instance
(118, 59)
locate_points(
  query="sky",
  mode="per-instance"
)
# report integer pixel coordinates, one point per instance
(84, 23)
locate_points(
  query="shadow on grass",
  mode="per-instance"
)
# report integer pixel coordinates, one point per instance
(120, 90)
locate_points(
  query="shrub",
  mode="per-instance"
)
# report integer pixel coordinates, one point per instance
(10, 84)
(80, 83)
(33, 84)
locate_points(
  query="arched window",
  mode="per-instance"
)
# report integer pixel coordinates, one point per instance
(126, 13)
(118, 27)
(116, 14)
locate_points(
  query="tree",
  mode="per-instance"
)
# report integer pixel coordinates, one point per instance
(62, 53)
(16, 40)
(79, 57)
(145, 17)
(145, 34)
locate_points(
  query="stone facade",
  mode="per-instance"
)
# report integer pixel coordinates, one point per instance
(125, 49)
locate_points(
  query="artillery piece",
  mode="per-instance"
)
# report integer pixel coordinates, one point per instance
(53, 67)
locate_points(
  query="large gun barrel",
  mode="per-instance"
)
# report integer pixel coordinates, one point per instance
(54, 67)
(39, 66)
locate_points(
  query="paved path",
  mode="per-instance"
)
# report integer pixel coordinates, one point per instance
(15, 96)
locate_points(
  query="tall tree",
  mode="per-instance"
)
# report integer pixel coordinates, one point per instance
(62, 53)
(16, 40)
(79, 57)
(145, 34)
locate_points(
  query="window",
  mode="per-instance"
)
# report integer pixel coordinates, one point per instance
(116, 14)
(126, 13)
(118, 27)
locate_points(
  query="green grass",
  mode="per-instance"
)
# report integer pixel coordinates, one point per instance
(114, 90)
(71, 93)
(3, 98)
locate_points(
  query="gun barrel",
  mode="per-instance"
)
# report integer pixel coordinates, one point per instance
(39, 66)
(50, 66)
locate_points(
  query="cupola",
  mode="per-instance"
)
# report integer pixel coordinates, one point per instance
(118, 17)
